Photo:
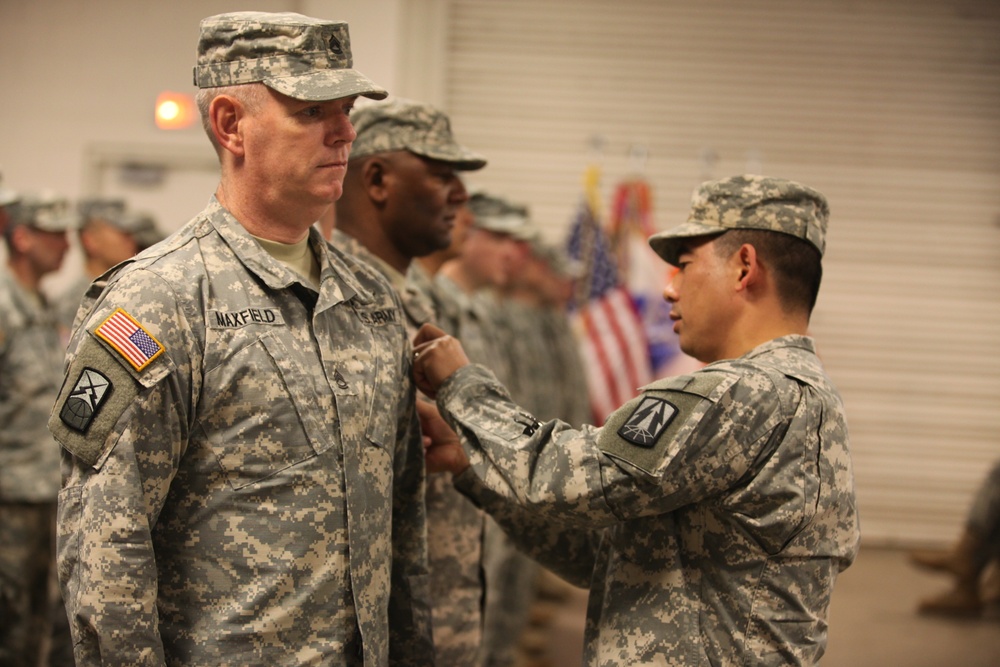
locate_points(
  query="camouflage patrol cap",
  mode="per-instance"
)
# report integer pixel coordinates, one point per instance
(559, 260)
(413, 126)
(45, 212)
(749, 202)
(501, 216)
(100, 208)
(302, 57)
(141, 226)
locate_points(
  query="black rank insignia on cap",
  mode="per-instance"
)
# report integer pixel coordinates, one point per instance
(83, 402)
(335, 46)
(648, 421)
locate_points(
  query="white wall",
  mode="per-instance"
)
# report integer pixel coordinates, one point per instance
(80, 79)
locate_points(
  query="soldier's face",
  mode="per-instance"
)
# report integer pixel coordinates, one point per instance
(107, 244)
(701, 300)
(489, 257)
(296, 151)
(46, 250)
(424, 199)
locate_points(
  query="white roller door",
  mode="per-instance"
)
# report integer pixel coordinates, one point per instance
(890, 107)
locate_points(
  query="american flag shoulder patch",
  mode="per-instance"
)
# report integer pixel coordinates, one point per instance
(130, 339)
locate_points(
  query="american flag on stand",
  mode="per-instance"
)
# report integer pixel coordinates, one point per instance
(608, 326)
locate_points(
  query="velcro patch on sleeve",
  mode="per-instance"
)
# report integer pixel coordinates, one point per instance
(96, 392)
(653, 426)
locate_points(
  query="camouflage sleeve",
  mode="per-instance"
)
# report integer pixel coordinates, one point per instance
(680, 441)
(568, 551)
(550, 469)
(123, 431)
(410, 642)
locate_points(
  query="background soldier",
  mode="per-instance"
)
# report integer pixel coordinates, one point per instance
(108, 234)
(31, 364)
(402, 196)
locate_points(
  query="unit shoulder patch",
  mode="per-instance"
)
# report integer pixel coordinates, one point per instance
(654, 426)
(648, 421)
(85, 399)
(97, 391)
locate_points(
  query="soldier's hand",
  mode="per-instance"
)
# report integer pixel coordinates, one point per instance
(442, 449)
(436, 355)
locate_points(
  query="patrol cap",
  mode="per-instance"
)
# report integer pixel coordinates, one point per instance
(559, 260)
(100, 208)
(141, 226)
(45, 212)
(7, 196)
(402, 124)
(501, 216)
(302, 57)
(749, 202)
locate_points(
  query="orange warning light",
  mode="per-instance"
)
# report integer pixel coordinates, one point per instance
(174, 111)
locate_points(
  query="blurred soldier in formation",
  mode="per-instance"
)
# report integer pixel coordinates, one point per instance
(402, 196)
(31, 364)
(494, 252)
(972, 555)
(108, 234)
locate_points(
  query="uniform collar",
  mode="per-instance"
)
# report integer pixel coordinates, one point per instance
(337, 282)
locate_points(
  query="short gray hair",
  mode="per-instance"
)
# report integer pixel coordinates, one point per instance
(250, 95)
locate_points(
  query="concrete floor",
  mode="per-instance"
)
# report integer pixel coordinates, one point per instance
(872, 622)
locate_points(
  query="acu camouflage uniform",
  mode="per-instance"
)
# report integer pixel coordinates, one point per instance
(31, 359)
(454, 525)
(244, 474)
(456, 546)
(505, 341)
(417, 308)
(248, 488)
(31, 364)
(465, 317)
(710, 515)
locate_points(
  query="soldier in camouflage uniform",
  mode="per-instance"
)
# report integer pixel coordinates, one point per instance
(494, 251)
(558, 274)
(401, 197)
(242, 474)
(108, 234)
(31, 362)
(402, 193)
(710, 515)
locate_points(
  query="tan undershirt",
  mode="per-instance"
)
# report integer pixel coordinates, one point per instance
(296, 256)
